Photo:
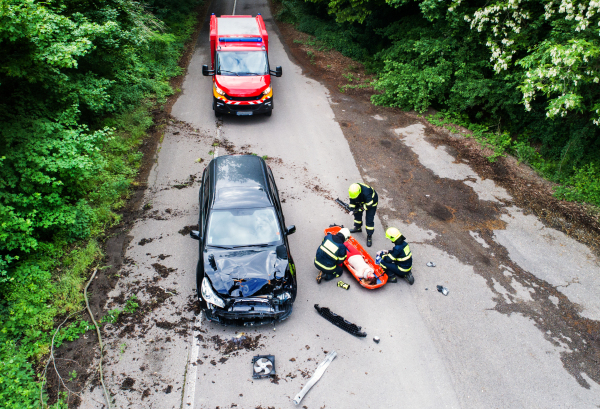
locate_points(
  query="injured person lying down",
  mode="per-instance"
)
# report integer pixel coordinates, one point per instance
(363, 271)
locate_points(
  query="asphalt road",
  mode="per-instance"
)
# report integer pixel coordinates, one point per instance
(458, 351)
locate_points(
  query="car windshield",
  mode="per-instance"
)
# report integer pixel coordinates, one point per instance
(243, 227)
(242, 63)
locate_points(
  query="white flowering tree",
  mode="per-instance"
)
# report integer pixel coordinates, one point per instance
(556, 43)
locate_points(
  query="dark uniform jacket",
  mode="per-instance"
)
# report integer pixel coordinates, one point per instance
(366, 198)
(331, 252)
(400, 255)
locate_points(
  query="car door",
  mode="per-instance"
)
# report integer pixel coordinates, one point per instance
(275, 194)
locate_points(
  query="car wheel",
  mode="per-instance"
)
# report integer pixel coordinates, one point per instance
(269, 113)
(215, 108)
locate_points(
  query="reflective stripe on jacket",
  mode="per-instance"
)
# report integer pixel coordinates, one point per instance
(400, 255)
(330, 253)
(365, 199)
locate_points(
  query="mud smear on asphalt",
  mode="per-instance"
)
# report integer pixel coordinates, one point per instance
(187, 229)
(453, 209)
(162, 270)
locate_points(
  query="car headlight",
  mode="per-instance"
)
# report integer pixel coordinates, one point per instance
(219, 90)
(209, 295)
(267, 91)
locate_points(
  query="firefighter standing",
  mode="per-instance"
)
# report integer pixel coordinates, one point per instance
(363, 198)
(398, 261)
(330, 255)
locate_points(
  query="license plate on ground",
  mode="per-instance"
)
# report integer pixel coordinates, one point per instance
(244, 113)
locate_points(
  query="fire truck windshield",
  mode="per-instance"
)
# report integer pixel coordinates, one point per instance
(242, 63)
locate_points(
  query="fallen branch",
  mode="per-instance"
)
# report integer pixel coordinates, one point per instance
(51, 358)
(87, 304)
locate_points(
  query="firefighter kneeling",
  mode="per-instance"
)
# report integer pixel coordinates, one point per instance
(331, 255)
(398, 261)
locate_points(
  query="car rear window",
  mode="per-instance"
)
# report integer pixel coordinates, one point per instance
(243, 227)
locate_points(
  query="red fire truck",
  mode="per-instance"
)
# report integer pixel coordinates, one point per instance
(239, 47)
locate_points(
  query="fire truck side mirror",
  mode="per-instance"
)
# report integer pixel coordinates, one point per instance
(206, 71)
(277, 72)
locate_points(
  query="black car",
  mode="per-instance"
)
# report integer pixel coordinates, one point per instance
(245, 273)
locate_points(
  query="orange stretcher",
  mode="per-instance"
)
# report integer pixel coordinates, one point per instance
(354, 248)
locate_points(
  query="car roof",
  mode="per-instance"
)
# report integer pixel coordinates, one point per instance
(239, 181)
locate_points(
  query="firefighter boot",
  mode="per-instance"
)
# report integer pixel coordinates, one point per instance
(319, 277)
(392, 279)
(369, 240)
(356, 229)
(410, 279)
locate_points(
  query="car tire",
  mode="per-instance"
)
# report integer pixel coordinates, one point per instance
(269, 113)
(217, 115)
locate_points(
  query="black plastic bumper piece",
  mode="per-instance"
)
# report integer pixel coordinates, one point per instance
(340, 322)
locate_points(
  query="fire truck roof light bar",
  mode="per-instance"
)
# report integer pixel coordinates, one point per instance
(241, 40)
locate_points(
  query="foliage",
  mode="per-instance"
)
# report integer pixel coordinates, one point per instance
(130, 307)
(582, 185)
(77, 80)
(528, 69)
(72, 332)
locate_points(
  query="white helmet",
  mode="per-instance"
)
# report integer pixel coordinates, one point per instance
(345, 232)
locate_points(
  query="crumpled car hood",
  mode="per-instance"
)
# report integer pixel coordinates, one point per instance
(243, 273)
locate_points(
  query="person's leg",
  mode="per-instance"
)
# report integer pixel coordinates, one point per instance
(335, 273)
(390, 269)
(370, 224)
(320, 274)
(407, 275)
(357, 222)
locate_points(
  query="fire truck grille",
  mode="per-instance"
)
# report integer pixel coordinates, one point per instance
(254, 98)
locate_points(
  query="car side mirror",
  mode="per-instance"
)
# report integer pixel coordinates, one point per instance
(206, 72)
(290, 230)
(277, 72)
(195, 234)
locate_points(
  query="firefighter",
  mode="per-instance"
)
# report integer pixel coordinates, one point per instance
(363, 198)
(330, 255)
(397, 261)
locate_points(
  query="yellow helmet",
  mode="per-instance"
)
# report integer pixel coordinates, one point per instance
(345, 232)
(354, 190)
(392, 233)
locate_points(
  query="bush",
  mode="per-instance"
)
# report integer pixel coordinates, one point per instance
(583, 185)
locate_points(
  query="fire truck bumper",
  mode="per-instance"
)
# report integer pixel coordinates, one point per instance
(223, 107)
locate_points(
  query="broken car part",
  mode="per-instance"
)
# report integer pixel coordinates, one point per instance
(316, 376)
(263, 366)
(443, 290)
(340, 322)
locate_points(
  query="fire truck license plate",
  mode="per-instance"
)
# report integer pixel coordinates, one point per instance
(244, 113)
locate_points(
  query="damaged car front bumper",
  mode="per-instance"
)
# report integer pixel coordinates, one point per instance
(250, 311)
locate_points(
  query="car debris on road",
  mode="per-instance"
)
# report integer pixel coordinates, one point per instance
(316, 376)
(340, 322)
